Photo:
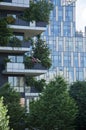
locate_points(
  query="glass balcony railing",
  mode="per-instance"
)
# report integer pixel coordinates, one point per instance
(23, 2)
(10, 1)
(38, 66)
(22, 44)
(14, 4)
(25, 44)
(28, 28)
(15, 66)
(22, 22)
(31, 89)
(21, 66)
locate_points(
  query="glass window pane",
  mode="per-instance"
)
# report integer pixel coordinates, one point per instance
(19, 59)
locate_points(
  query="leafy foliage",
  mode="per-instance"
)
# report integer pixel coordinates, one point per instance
(28, 62)
(4, 119)
(38, 11)
(15, 42)
(55, 109)
(10, 19)
(78, 92)
(41, 51)
(15, 110)
(38, 84)
(5, 32)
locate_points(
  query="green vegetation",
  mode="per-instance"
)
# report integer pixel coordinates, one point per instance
(38, 84)
(30, 61)
(54, 109)
(78, 92)
(10, 19)
(41, 51)
(15, 42)
(15, 110)
(5, 33)
(4, 119)
(41, 55)
(38, 11)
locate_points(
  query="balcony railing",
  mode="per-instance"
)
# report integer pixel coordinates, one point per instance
(15, 66)
(31, 90)
(26, 2)
(39, 66)
(14, 4)
(25, 44)
(22, 22)
(7, 1)
(21, 66)
(16, 47)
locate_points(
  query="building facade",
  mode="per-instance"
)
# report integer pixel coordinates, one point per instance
(12, 67)
(67, 46)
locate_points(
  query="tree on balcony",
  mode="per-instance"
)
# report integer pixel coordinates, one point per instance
(30, 61)
(15, 42)
(38, 11)
(5, 33)
(42, 52)
(41, 55)
(10, 19)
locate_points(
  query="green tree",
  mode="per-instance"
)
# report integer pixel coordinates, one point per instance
(15, 110)
(4, 119)
(38, 11)
(78, 92)
(55, 109)
(42, 52)
(5, 33)
(37, 84)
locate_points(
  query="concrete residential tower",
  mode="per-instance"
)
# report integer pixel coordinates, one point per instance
(14, 70)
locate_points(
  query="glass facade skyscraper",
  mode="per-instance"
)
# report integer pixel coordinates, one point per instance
(68, 47)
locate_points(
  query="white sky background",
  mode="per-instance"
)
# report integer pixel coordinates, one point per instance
(80, 15)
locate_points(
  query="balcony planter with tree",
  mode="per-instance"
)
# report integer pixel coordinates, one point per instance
(15, 42)
(30, 62)
(41, 51)
(38, 11)
(5, 33)
(10, 19)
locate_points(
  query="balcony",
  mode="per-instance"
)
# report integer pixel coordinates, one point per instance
(13, 50)
(19, 69)
(14, 4)
(15, 47)
(30, 29)
(31, 92)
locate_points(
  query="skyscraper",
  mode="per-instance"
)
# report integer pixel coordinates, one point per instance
(67, 46)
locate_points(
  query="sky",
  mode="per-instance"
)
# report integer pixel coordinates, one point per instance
(80, 15)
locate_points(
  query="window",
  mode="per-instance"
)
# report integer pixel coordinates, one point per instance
(76, 60)
(16, 59)
(16, 81)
